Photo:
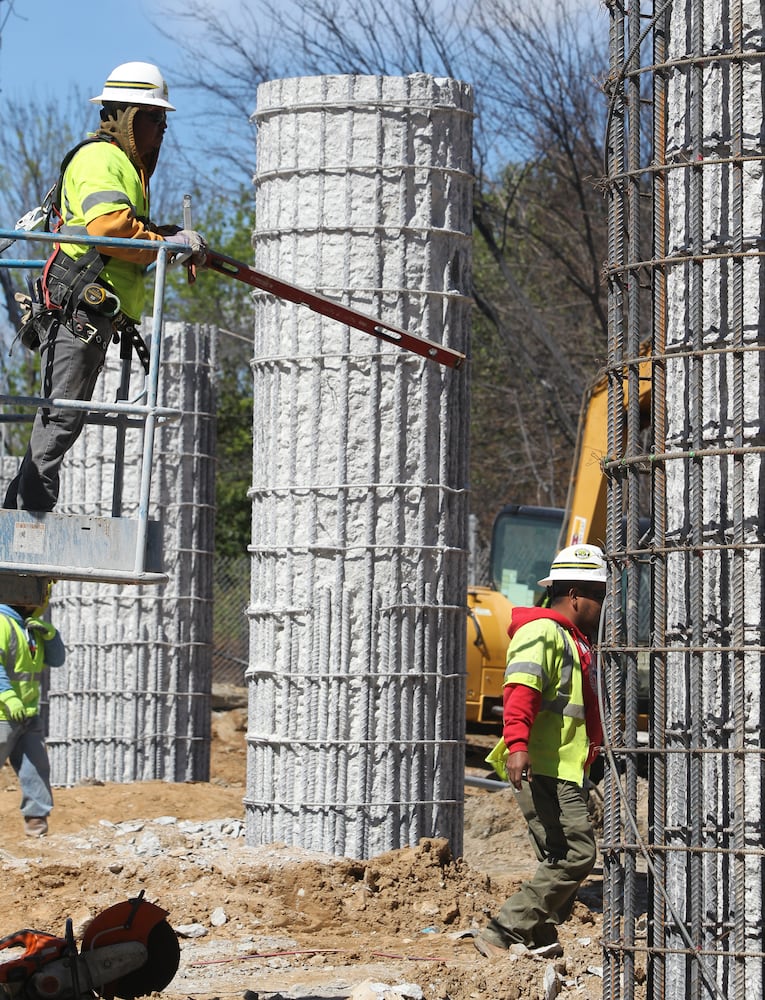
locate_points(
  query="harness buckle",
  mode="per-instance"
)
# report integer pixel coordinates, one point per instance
(79, 329)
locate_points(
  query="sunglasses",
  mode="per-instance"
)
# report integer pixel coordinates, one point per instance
(592, 593)
(156, 117)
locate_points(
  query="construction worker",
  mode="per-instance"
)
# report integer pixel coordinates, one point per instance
(551, 735)
(91, 295)
(27, 646)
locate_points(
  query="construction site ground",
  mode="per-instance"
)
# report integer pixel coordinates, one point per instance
(278, 921)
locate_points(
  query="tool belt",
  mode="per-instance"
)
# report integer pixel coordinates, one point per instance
(70, 285)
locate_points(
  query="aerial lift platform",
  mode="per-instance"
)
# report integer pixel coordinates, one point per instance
(38, 547)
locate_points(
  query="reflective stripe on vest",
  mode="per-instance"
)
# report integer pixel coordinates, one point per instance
(562, 704)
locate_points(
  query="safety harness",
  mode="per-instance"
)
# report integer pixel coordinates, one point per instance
(67, 285)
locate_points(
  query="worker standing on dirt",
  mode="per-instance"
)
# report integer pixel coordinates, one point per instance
(551, 735)
(27, 646)
(89, 295)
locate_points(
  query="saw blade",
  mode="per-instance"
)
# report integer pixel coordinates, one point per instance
(142, 921)
(164, 955)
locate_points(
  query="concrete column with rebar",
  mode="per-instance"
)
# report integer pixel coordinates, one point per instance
(132, 702)
(357, 627)
(705, 857)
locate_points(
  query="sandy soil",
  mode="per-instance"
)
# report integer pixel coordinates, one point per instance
(279, 922)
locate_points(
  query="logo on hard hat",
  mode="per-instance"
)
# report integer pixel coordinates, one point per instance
(582, 553)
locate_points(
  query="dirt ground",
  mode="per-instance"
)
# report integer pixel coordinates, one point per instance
(270, 922)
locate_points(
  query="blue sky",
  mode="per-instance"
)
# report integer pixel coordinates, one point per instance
(47, 43)
(49, 47)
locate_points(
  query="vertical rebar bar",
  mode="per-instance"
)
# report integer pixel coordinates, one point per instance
(615, 162)
(736, 772)
(657, 806)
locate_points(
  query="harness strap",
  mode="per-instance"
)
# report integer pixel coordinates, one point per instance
(65, 279)
(131, 339)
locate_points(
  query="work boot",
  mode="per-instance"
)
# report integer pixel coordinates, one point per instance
(487, 948)
(546, 943)
(35, 826)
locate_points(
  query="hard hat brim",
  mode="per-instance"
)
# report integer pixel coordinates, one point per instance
(597, 576)
(138, 102)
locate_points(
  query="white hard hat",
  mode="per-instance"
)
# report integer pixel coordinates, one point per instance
(577, 563)
(135, 83)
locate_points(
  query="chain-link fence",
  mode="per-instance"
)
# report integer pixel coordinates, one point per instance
(231, 587)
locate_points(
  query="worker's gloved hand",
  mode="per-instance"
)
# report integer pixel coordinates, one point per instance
(25, 306)
(195, 242)
(14, 706)
(39, 629)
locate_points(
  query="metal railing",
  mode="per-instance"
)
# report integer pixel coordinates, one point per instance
(143, 411)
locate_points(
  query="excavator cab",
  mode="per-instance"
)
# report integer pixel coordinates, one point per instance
(524, 541)
(523, 544)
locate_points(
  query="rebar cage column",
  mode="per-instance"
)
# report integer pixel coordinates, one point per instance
(357, 617)
(133, 701)
(704, 168)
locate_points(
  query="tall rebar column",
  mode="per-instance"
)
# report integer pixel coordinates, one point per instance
(357, 629)
(694, 152)
(132, 702)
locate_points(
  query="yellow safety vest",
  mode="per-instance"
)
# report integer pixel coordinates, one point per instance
(99, 179)
(22, 663)
(542, 655)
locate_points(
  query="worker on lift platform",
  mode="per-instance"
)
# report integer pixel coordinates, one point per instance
(88, 295)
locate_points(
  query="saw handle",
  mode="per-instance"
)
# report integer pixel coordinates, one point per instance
(39, 949)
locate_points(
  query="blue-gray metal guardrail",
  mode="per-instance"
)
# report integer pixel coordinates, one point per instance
(148, 413)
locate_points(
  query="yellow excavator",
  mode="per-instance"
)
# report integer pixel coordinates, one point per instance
(525, 540)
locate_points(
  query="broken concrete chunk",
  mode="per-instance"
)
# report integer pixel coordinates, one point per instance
(191, 930)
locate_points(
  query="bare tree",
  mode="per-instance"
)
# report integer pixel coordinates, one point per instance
(550, 109)
(540, 222)
(35, 136)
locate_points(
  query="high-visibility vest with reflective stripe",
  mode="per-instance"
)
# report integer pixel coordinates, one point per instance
(100, 179)
(21, 664)
(542, 655)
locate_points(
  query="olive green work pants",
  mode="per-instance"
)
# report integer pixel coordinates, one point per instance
(561, 833)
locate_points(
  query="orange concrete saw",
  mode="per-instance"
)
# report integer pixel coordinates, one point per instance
(129, 950)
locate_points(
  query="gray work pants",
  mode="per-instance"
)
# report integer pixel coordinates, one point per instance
(23, 744)
(71, 357)
(562, 836)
